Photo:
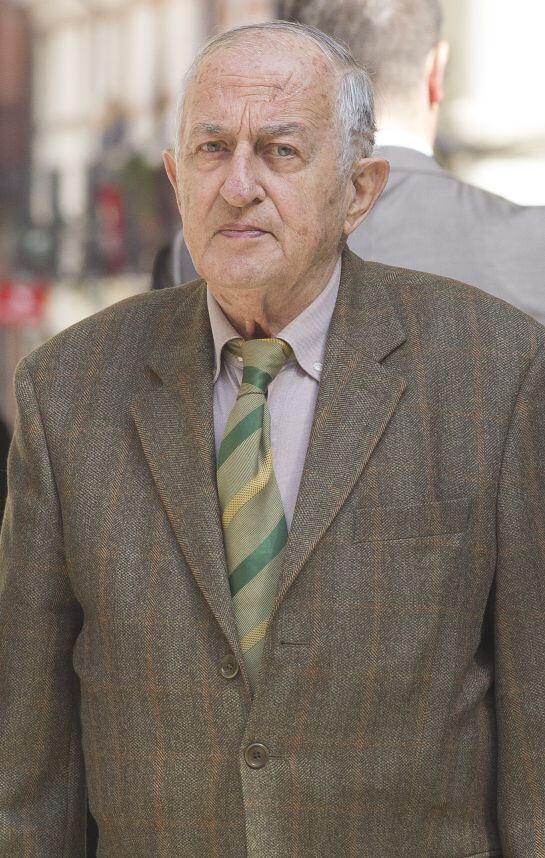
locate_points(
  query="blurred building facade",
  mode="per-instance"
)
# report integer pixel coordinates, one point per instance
(105, 79)
(15, 123)
(493, 122)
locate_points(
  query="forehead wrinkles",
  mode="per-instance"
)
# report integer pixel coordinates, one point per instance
(256, 87)
(234, 94)
(252, 115)
(266, 71)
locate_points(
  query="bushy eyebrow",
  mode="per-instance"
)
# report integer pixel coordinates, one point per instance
(208, 128)
(273, 129)
(278, 129)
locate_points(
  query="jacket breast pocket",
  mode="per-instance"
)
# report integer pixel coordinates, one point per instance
(407, 566)
(437, 520)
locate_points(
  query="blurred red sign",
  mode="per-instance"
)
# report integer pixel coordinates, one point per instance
(110, 215)
(22, 302)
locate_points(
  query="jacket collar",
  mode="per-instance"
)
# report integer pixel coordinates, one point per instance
(403, 159)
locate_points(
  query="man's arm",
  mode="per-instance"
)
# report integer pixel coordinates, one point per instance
(520, 624)
(42, 784)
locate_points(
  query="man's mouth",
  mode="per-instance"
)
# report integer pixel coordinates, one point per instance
(242, 230)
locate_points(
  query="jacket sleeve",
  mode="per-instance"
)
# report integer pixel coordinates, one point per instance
(520, 624)
(42, 784)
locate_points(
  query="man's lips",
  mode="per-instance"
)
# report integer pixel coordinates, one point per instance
(242, 230)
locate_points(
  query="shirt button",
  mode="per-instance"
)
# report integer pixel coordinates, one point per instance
(318, 366)
(229, 667)
(240, 359)
(256, 755)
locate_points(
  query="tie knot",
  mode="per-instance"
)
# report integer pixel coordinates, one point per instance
(263, 359)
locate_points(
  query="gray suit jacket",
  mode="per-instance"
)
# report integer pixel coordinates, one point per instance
(429, 220)
(402, 692)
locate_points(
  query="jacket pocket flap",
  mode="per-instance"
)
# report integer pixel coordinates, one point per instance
(439, 518)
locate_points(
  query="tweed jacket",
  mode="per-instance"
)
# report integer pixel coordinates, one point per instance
(401, 701)
(429, 220)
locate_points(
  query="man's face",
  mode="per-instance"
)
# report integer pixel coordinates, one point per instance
(258, 177)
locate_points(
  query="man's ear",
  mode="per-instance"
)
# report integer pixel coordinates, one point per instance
(369, 178)
(172, 172)
(436, 65)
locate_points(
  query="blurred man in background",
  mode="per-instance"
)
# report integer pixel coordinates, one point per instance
(427, 219)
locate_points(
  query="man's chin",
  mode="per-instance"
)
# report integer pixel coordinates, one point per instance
(238, 270)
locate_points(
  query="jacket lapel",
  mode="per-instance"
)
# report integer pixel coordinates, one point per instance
(174, 419)
(356, 401)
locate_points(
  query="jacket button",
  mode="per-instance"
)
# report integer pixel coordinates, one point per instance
(229, 667)
(256, 755)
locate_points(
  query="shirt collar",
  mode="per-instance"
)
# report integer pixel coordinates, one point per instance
(306, 334)
(222, 330)
(404, 139)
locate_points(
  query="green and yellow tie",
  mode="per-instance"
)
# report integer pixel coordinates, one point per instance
(254, 525)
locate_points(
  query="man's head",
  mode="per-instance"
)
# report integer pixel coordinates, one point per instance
(271, 167)
(397, 41)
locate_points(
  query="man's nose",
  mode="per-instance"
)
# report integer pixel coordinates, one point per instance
(241, 186)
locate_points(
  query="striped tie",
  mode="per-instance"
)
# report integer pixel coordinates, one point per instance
(254, 525)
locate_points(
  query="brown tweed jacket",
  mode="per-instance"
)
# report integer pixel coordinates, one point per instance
(402, 695)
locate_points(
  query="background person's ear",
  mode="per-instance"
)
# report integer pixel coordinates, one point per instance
(436, 65)
(369, 178)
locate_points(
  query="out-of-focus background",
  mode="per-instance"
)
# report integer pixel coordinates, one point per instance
(87, 90)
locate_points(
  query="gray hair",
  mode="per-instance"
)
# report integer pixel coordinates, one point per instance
(355, 102)
(391, 38)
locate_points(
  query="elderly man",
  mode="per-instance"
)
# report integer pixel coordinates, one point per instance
(427, 218)
(272, 565)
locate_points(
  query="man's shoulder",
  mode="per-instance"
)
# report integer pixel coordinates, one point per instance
(442, 182)
(133, 323)
(494, 207)
(440, 309)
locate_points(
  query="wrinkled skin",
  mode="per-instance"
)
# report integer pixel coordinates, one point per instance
(265, 214)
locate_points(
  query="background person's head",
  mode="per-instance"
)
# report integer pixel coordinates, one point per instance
(271, 167)
(399, 43)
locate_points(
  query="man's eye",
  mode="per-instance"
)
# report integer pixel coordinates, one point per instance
(283, 151)
(212, 146)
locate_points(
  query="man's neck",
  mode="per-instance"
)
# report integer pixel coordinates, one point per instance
(264, 313)
(403, 138)
(418, 123)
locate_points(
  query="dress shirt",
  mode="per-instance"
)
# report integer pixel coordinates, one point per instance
(292, 394)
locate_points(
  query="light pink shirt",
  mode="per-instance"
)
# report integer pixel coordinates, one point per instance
(292, 394)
